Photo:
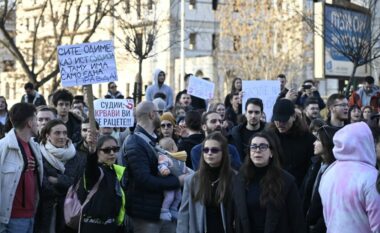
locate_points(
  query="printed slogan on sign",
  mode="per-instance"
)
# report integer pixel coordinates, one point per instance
(114, 112)
(87, 63)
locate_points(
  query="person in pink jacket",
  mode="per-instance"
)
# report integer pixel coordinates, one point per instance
(350, 201)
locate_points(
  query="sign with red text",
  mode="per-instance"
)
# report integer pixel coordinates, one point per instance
(114, 112)
(88, 63)
(200, 88)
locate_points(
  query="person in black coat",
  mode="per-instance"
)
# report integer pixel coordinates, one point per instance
(271, 195)
(145, 189)
(195, 135)
(296, 140)
(61, 168)
(312, 200)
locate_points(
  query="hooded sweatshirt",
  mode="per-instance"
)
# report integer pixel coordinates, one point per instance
(348, 187)
(154, 88)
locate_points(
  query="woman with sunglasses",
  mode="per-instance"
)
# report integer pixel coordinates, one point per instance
(209, 203)
(270, 193)
(61, 168)
(323, 146)
(105, 211)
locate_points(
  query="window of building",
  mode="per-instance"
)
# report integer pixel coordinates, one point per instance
(7, 88)
(88, 20)
(235, 6)
(42, 21)
(150, 4)
(127, 6)
(215, 41)
(192, 41)
(34, 23)
(214, 5)
(27, 24)
(192, 4)
(236, 43)
(138, 8)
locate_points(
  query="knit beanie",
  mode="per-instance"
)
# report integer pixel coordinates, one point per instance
(167, 116)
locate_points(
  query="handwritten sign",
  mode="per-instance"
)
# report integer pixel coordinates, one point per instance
(87, 63)
(114, 112)
(266, 90)
(200, 88)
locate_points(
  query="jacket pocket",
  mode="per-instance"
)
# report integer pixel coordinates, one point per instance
(9, 168)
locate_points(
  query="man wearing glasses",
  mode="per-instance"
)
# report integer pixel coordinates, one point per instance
(338, 110)
(113, 93)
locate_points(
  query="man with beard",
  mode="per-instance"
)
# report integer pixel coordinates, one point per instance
(146, 187)
(233, 112)
(338, 110)
(32, 96)
(296, 140)
(243, 132)
(211, 122)
(159, 86)
(311, 109)
(185, 100)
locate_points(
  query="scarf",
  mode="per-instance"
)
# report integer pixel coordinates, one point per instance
(57, 157)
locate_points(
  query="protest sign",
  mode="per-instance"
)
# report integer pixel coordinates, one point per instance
(87, 63)
(114, 112)
(200, 88)
(267, 91)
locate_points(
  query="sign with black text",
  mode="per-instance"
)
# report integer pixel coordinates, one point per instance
(114, 112)
(87, 63)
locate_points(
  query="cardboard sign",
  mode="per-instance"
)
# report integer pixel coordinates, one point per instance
(114, 112)
(200, 88)
(87, 63)
(266, 90)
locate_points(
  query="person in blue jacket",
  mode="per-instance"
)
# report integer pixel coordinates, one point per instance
(212, 122)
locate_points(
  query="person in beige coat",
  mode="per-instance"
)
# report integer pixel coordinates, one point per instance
(21, 171)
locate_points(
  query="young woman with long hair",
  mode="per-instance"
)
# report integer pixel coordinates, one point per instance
(235, 87)
(209, 203)
(323, 147)
(271, 195)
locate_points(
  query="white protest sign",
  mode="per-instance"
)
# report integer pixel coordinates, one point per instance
(200, 88)
(266, 90)
(87, 63)
(114, 112)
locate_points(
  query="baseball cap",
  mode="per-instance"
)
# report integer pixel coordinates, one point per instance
(283, 109)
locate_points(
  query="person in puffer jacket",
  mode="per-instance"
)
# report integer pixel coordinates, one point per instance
(348, 187)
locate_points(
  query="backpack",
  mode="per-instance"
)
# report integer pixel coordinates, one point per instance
(72, 208)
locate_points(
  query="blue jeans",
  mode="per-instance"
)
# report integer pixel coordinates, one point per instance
(18, 225)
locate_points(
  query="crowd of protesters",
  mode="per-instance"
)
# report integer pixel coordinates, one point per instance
(190, 165)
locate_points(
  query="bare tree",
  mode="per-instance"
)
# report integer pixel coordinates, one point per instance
(54, 23)
(261, 39)
(140, 32)
(352, 32)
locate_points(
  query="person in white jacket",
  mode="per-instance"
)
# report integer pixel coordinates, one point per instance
(21, 171)
(351, 203)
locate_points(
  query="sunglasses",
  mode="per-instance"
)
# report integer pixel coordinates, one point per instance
(108, 150)
(112, 87)
(168, 125)
(261, 146)
(213, 150)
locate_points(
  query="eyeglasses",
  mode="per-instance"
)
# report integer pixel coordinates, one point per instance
(168, 125)
(108, 150)
(261, 147)
(213, 150)
(341, 105)
(112, 87)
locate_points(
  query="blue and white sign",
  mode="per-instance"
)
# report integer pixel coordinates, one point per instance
(344, 28)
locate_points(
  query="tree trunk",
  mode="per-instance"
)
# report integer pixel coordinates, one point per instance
(138, 86)
(351, 81)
